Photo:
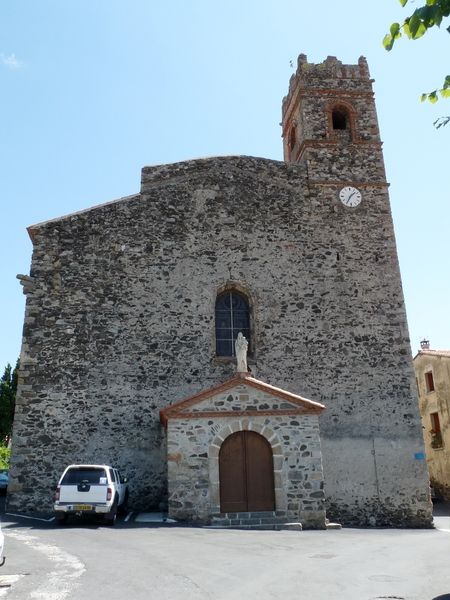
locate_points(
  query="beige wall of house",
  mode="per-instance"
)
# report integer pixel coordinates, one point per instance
(432, 369)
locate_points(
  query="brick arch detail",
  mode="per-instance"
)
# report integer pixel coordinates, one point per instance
(346, 107)
(213, 460)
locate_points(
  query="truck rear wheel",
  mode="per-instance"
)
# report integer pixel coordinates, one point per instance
(111, 517)
(123, 508)
(61, 518)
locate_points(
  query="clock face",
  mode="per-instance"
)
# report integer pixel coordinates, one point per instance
(350, 196)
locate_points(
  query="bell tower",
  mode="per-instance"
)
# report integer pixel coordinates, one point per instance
(330, 124)
(358, 324)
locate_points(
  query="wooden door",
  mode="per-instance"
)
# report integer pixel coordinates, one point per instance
(246, 473)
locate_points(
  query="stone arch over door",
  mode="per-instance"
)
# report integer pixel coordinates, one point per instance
(246, 473)
(265, 431)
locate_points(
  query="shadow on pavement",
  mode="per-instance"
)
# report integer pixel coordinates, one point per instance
(441, 509)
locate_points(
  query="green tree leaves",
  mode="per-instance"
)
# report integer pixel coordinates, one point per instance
(5, 454)
(8, 388)
(414, 27)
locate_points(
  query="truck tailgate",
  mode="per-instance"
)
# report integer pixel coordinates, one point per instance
(95, 493)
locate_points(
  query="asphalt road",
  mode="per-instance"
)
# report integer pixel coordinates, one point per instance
(141, 561)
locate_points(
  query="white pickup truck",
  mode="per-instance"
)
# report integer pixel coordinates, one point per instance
(90, 490)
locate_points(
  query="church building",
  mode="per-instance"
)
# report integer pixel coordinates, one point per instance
(134, 308)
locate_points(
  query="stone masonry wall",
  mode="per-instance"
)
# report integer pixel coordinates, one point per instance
(373, 315)
(193, 473)
(120, 322)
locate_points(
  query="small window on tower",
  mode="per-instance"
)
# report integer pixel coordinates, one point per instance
(339, 117)
(292, 137)
(429, 381)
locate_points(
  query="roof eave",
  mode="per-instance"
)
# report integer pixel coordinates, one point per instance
(173, 410)
(33, 228)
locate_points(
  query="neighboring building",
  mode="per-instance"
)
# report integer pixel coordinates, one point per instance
(432, 369)
(133, 308)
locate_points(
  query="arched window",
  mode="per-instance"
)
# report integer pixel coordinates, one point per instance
(292, 137)
(232, 317)
(339, 118)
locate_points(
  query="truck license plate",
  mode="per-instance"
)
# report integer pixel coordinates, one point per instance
(83, 507)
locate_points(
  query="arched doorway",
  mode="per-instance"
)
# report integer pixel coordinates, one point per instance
(246, 473)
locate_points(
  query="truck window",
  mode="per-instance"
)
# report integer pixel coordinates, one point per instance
(76, 476)
(112, 475)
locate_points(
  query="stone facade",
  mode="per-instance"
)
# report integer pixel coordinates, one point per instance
(197, 428)
(120, 311)
(432, 369)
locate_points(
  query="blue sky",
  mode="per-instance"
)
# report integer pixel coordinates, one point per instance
(93, 90)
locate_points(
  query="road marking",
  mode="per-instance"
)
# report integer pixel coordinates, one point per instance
(153, 517)
(65, 569)
(128, 517)
(32, 518)
(6, 581)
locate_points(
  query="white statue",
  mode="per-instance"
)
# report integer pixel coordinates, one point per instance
(241, 347)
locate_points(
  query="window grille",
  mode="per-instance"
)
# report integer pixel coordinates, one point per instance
(232, 317)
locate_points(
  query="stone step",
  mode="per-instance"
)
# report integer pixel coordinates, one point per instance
(251, 515)
(254, 520)
(266, 527)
